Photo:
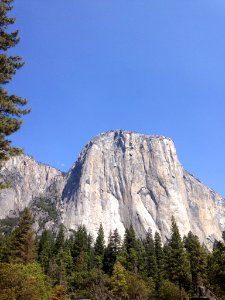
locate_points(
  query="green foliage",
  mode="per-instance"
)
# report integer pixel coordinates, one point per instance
(92, 284)
(178, 266)
(134, 252)
(198, 260)
(81, 248)
(118, 281)
(216, 269)
(135, 270)
(64, 263)
(141, 257)
(137, 288)
(23, 248)
(80, 241)
(169, 291)
(112, 252)
(160, 260)
(150, 255)
(60, 239)
(8, 224)
(26, 282)
(131, 245)
(4, 248)
(99, 247)
(10, 105)
(45, 249)
(48, 205)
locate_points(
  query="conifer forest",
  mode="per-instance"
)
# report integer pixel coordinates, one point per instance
(74, 266)
(69, 265)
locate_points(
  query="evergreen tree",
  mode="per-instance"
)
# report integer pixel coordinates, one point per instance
(118, 281)
(90, 252)
(216, 268)
(81, 263)
(23, 248)
(159, 253)
(198, 260)
(60, 239)
(151, 263)
(4, 248)
(100, 242)
(10, 105)
(112, 251)
(130, 245)
(80, 241)
(99, 247)
(130, 241)
(64, 263)
(141, 257)
(177, 261)
(45, 249)
(82, 247)
(116, 245)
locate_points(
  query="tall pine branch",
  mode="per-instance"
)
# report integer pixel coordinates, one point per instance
(11, 106)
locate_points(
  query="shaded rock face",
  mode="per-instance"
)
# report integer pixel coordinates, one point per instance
(33, 185)
(121, 178)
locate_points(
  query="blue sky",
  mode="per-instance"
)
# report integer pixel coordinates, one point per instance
(154, 67)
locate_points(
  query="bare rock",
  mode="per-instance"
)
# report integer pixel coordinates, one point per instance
(120, 178)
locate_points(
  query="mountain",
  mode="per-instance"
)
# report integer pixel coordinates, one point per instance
(120, 178)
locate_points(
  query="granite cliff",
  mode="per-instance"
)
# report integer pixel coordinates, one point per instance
(120, 178)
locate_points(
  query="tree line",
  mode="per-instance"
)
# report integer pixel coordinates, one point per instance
(54, 267)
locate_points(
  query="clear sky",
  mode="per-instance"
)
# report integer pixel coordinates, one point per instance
(154, 67)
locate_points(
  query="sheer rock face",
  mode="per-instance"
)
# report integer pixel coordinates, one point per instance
(122, 178)
(31, 183)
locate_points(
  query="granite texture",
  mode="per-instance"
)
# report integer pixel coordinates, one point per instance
(120, 178)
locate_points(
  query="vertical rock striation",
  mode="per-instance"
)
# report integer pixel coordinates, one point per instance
(120, 178)
(124, 178)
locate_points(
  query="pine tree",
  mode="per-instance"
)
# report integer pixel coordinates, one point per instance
(100, 242)
(64, 263)
(216, 268)
(198, 260)
(82, 247)
(99, 247)
(45, 249)
(151, 264)
(116, 245)
(112, 251)
(80, 241)
(4, 248)
(177, 261)
(130, 245)
(10, 105)
(118, 281)
(23, 249)
(141, 257)
(60, 239)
